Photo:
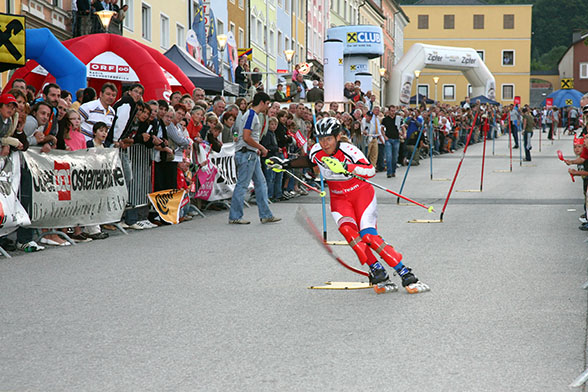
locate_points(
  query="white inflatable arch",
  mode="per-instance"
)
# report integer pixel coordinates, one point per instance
(421, 56)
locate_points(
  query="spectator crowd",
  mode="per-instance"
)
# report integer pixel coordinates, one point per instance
(173, 131)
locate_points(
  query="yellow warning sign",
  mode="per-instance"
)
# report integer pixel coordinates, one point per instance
(12, 39)
(340, 61)
(567, 83)
(352, 67)
(569, 102)
(352, 37)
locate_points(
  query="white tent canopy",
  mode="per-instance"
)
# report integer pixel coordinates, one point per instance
(422, 56)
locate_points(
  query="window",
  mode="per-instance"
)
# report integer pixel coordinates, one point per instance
(180, 35)
(272, 43)
(508, 58)
(424, 90)
(508, 21)
(507, 92)
(220, 26)
(232, 29)
(10, 9)
(449, 22)
(242, 4)
(469, 91)
(146, 21)
(260, 34)
(253, 28)
(423, 22)
(478, 22)
(241, 38)
(280, 43)
(287, 44)
(128, 21)
(449, 92)
(164, 36)
(481, 54)
(583, 70)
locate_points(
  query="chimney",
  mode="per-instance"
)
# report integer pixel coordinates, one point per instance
(576, 35)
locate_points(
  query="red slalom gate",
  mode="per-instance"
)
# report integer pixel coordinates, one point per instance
(484, 154)
(465, 149)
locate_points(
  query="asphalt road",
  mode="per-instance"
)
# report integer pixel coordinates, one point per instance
(207, 306)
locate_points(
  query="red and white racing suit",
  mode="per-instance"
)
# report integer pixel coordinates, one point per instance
(350, 197)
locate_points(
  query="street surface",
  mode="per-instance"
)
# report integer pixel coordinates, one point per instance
(207, 306)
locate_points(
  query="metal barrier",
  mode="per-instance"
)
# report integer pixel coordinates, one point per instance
(140, 158)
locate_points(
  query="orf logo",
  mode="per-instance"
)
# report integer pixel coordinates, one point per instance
(62, 180)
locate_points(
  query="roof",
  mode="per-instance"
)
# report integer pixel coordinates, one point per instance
(451, 2)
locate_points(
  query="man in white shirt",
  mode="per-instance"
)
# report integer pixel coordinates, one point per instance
(98, 110)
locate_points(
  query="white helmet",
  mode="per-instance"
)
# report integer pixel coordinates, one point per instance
(328, 126)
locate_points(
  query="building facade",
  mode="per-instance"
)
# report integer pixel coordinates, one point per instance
(574, 64)
(370, 13)
(158, 24)
(343, 12)
(317, 20)
(501, 34)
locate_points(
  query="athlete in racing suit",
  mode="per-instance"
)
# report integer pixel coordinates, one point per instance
(354, 206)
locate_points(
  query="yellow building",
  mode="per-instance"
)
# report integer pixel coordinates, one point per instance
(158, 24)
(501, 34)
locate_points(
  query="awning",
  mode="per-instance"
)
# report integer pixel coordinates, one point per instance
(200, 75)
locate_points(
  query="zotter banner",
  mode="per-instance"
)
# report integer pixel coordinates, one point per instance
(168, 204)
(84, 187)
(222, 184)
(12, 213)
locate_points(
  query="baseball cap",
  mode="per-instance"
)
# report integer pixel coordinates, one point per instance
(7, 98)
(370, 113)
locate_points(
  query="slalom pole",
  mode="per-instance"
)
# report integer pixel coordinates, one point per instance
(416, 148)
(323, 193)
(431, 140)
(540, 132)
(458, 167)
(520, 148)
(483, 155)
(494, 135)
(510, 141)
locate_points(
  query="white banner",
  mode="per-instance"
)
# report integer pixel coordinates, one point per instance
(226, 171)
(84, 187)
(12, 213)
(109, 65)
(450, 58)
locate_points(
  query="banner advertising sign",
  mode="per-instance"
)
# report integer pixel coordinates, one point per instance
(549, 102)
(168, 203)
(451, 58)
(12, 213)
(84, 187)
(108, 65)
(517, 100)
(221, 185)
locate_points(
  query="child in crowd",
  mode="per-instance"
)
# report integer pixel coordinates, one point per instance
(100, 131)
(581, 171)
(70, 136)
(184, 181)
(270, 142)
(212, 137)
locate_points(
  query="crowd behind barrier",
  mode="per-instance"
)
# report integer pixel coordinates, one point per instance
(86, 163)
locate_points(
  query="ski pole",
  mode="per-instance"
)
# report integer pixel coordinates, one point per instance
(278, 169)
(337, 167)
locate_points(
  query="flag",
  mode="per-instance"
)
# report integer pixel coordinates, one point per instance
(213, 43)
(232, 55)
(199, 28)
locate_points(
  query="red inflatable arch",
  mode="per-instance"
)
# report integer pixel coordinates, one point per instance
(148, 64)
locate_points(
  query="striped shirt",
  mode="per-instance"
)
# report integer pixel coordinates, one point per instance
(93, 112)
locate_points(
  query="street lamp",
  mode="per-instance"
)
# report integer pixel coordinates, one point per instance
(222, 43)
(289, 53)
(417, 73)
(105, 17)
(436, 80)
(382, 73)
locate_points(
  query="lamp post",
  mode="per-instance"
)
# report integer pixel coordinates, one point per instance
(436, 80)
(222, 43)
(105, 17)
(417, 73)
(289, 53)
(382, 73)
